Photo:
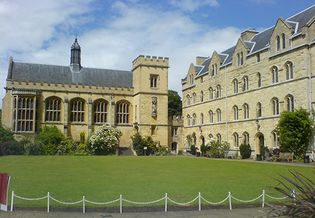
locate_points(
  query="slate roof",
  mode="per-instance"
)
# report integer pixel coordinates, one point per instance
(261, 40)
(28, 72)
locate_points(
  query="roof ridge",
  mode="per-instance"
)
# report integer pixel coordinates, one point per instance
(301, 12)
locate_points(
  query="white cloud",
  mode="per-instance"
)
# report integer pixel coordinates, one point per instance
(135, 29)
(192, 5)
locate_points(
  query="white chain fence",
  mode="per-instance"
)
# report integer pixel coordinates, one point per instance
(166, 199)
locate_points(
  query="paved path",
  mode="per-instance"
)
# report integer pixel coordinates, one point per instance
(224, 213)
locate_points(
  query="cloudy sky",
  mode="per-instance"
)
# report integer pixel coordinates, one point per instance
(112, 33)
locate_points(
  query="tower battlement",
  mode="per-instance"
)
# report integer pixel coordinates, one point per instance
(153, 61)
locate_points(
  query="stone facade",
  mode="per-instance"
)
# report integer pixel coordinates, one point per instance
(38, 95)
(237, 95)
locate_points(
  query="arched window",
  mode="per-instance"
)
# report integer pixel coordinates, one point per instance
(246, 111)
(122, 112)
(258, 110)
(275, 138)
(219, 138)
(258, 80)
(194, 120)
(235, 112)
(188, 120)
(24, 113)
(242, 58)
(235, 140)
(212, 70)
(275, 76)
(238, 59)
(194, 97)
(211, 93)
(278, 42)
(201, 96)
(210, 137)
(100, 111)
(289, 70)
(283, 40)
(52, 109)
(210, 116)
(77, 108)
(218, 91)
(188, 99)
(246, 138)
(201, 118)
(289, 99)
(245, 83)
(275, 106)
(235, 85)
(218, 111)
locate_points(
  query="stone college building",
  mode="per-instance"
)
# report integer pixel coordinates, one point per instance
(237, 95)
(77, 99)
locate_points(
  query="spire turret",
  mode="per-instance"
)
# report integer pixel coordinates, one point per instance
(75, 60)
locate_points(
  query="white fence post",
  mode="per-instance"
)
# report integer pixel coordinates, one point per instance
(263, 199)
(165, 206)
(12, 200)
(48, 198)
(199, 201)
(120, 204)
(83, 204)
(230, 200)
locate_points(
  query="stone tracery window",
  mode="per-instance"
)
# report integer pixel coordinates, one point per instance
(245, 83)
(218, 111)
(246, 138)
(53, 109)
(218, 91)
(275, 106)
(100, 111)
(235, 86)
(289, 70)
(77, 109)
(122, 112)
(236, 140)
(211, 116)
(289, 99)
(275, 74)
(24, 113)
(246, 111)
(235, 112)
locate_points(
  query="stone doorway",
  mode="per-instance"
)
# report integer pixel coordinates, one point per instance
(260, 142)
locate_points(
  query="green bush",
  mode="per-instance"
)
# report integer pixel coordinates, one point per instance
(82, 149)
(162, 151)
(5, 135)
(66, 146)
(180, 152)
(104, 140)
(11, 148)
(152, 148)
(204, 149)
(49, 139)
(193, 149)
(245, 151)
(218, 150)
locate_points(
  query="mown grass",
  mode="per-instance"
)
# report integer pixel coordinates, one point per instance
(104, 178)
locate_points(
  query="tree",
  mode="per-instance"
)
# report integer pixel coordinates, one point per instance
(174, 103)
(104, 140)
(245, 151)
(295, 129)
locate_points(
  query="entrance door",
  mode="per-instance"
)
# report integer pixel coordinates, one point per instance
(260, 143)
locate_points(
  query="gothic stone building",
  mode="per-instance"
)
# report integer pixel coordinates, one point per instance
(237, 95)
(77, 99)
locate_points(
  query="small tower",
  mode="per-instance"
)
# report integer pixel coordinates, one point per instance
(75, 60)
(150, 81)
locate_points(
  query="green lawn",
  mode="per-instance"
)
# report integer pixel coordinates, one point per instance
(101, 178)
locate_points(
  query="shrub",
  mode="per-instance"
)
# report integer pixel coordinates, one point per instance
(193, 149)
(66, 146)
(218, 150)
(82, 149)
(5, 135)
(31, 148)
(49, 139)
(11, 148)
(139, 143)
(180, 152)
(204, 149)
(245, 151)
(104, 140)
(162, 151)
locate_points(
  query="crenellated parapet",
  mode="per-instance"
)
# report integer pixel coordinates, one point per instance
(151, 61)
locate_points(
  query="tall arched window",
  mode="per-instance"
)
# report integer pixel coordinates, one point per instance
(122, 112)
(275, 138)
(100, 111)
(201, 96)
(245, 83)
(245, 138)
(24, 111)
(258, 110)
(201, 118)
(218, 111)
(235, 112)
(52, 109)
(283, 40)
(219, 138)
(278, 42)
(188, 99)
(246, 111)
(235, 86)
(275, 76)
(289, 99)
(188, 120)
(211, 93)
(235, 140)
(289, 70)
(211, 116)
(194, 97)
(194, 120)
(238, 59)
(242, 58)
(258, 80)
(218, 91)
(212, 70)
(216, 69)
(77, 108)
(275, 106)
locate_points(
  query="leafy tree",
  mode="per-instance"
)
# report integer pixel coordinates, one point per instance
(295, 129)
(218, 150)
(140, 142)
(174, 103)
(48, 139)
(245, 151)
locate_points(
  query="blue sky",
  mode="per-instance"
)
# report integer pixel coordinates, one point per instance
(113, 33)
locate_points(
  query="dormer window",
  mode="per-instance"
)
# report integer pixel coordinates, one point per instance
(240, 59)
(278, 43)
(283, 40)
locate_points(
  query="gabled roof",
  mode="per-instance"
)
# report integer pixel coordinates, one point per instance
(28, 72)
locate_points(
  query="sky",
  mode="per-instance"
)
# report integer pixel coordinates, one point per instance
(112, 33)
